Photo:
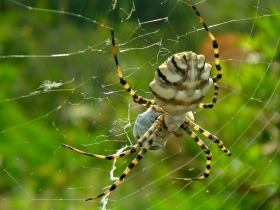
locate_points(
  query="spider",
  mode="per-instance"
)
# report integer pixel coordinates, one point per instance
(179, 86)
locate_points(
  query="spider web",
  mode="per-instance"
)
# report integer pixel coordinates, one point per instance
(59, 85)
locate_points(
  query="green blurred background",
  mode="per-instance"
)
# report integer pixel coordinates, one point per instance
(67, 43)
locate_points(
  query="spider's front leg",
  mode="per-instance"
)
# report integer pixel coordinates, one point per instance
(204, 148)
(209, 135)
(148, 139)
(133, 149)
(188, 122)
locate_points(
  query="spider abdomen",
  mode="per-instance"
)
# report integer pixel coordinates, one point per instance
(181, 82)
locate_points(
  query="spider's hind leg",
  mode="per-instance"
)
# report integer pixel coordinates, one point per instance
(217, 64)
(214, 99)
(138, 99)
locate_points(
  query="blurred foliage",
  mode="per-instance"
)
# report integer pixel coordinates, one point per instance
(267, 35)
(83, 111)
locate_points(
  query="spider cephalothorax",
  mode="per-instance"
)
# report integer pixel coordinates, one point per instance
(179, 86)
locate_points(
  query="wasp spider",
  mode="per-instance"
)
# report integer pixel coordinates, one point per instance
(179, 86)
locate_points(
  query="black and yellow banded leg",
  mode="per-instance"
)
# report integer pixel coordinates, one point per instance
(210, 136)
(157, 108)
(126, 171)
(214, 99)
(138, 99)
(215, 47)
(133, 149)
(217, 63)
(140, 155)
(107, 157)
(205, 150)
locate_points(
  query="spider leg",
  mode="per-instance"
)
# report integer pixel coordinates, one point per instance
(156, 108)
(138, 99)
(126, 171)
(217, 64)
(204, 148)
(133, 149)
(107, 157)
(210, 136)
(214, 99)
(154, 133)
